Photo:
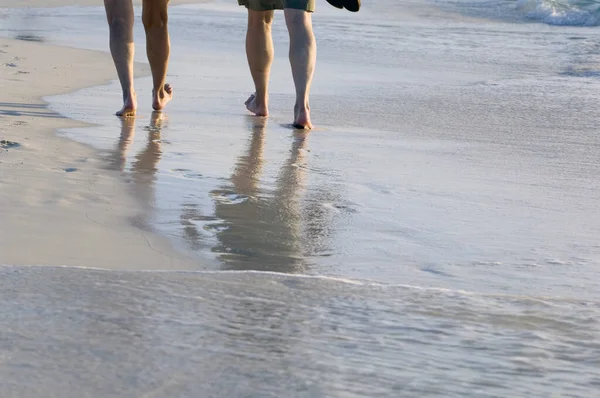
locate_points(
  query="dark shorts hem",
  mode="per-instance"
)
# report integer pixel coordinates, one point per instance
(270, 5)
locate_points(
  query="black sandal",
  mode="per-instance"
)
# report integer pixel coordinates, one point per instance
(350, 5)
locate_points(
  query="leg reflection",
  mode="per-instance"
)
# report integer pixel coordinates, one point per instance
(244, 188)
(119, 158)
(260, 226)
(145, 164)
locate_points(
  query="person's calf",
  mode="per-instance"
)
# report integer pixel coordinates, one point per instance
(259, 51)
(119, 15)
(303, 50)
(155, 19)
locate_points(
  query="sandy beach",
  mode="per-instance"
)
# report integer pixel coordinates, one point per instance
(436, 235)
(58, 205)
(81, 3)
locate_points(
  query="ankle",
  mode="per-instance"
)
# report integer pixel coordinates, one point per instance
(261, 103)
(304, 106)
(129, 93)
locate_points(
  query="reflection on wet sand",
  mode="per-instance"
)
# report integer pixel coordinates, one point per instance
(257, 225)
(124, 314)
(258, 229)
(189, 218)
(254, 232)
(144, 167)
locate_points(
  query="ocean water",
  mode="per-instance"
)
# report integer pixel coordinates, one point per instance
(74, 332)
(553, 12)
(436, 235)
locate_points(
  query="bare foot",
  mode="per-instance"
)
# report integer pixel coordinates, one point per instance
(161, 98)
(302, 118)
(129, 105)
(253, 106)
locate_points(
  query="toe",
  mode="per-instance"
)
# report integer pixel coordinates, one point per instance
(126, 114)
(300, 126)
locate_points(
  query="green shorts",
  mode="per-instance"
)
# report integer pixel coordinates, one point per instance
(268, 5)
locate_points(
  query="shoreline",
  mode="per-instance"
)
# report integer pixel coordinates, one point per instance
(59, 204)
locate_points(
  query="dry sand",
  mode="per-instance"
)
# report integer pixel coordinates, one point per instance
(59, 3)
(58, 204)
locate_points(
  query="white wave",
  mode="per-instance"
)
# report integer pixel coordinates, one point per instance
(561, 12)
(367, 283)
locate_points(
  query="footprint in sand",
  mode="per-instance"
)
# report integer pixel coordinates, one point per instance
(18, 123)
(5, 144)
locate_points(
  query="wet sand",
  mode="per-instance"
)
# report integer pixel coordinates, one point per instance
(474, 155)
(58, 204)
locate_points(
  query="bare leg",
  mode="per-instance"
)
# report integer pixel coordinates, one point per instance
(259, 50)
(303, 57)
(158, 48)
(119, 14)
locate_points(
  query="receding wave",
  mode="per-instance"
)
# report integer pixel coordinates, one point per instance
(73, 332)
(312, 281)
